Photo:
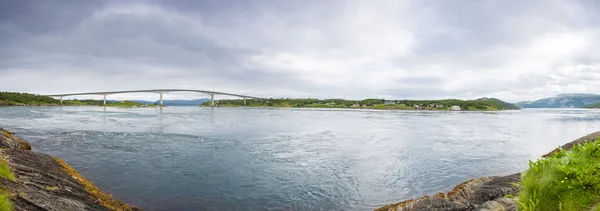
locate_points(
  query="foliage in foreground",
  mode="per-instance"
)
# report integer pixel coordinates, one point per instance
(568, 180)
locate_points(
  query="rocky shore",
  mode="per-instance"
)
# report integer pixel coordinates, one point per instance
(482, 194)
(43, 182)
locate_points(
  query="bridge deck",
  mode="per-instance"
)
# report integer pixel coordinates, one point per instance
(153, 90)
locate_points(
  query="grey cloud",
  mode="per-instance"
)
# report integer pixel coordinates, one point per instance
(410, 49)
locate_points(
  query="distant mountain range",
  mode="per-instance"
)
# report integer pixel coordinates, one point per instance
(563, 101)
(195, 102)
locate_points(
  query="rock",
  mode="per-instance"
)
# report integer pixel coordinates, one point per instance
(8, 140)
(568, 146)
(43, 182)
(485, 193)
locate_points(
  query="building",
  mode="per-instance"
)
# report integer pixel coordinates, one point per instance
(456, 108)
(389, 102)
(355, 105)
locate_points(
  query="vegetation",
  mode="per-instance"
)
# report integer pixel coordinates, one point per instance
(497, 103)
(568, 180)
(6, 173)
(594, 105)
(5, 204)
(125, 104)
(12, 98)
(25, 99)
(479, 104)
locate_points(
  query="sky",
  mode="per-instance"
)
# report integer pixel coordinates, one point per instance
(421, 49)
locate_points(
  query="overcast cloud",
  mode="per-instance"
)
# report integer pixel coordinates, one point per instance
(513, 50)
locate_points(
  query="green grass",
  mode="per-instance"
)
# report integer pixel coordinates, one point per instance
(5, 204)
(5, 170)
(568, 180)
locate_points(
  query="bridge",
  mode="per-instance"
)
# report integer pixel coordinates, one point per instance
(158, 91)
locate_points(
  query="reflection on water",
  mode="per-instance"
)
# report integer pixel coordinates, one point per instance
(189, 158)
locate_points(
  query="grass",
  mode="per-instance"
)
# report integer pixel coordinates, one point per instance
(5, 204)
(6, 173)
(568, 180)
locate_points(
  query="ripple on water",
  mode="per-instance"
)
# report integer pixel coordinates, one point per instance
(289, 159)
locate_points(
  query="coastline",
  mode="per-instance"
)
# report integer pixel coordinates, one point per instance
(359, 108)
(36, 181)
(484, 193)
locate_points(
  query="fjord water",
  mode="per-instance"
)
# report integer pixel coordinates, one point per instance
(191, 158)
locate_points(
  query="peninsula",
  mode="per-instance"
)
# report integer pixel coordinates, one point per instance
(481, 104)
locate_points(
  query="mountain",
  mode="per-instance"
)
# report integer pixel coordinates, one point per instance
(562, 101)
(495, 102)
(195, 102)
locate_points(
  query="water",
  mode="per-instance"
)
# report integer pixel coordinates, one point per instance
(190, 158)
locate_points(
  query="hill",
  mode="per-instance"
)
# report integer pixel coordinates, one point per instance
(562, 101)
(499, 103)
(16, 99)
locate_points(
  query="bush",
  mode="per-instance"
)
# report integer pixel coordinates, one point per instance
(568, 180)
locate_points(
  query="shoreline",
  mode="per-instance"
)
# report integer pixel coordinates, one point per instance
(37, 181)
(361, 108)
(484, 193)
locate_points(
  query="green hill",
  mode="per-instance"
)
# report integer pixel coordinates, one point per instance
(19, 99)
(497, 103)
(26, 99)
(595, 105)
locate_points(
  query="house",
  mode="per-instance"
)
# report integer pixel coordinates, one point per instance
(456, 108)
(439, 106)
(355, 105)
(417, 107)
(389, 102)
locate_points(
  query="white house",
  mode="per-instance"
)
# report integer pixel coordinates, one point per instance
(456, 108)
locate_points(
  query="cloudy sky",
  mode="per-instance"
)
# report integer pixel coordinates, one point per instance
(421, 49)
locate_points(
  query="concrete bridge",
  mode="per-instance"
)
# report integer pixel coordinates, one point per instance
(158, 91)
